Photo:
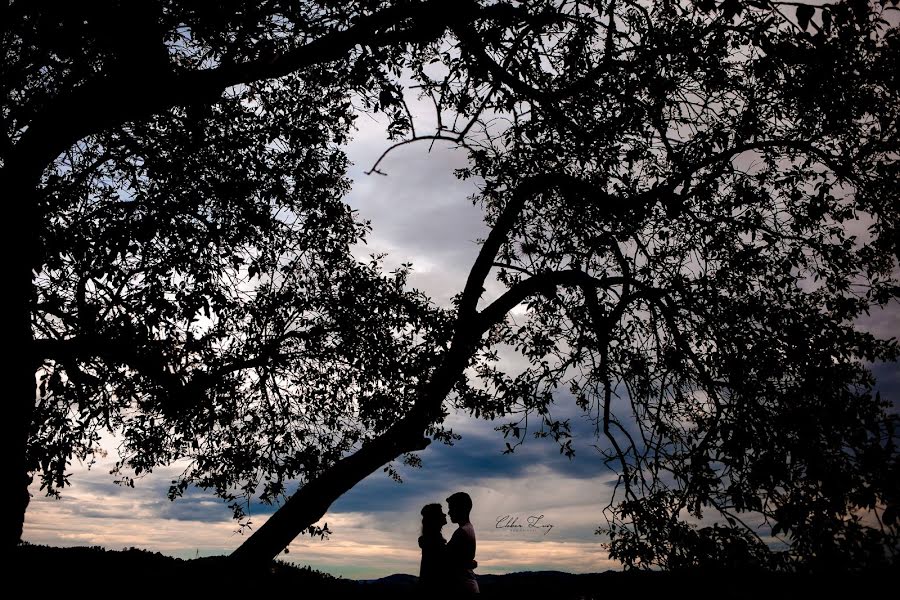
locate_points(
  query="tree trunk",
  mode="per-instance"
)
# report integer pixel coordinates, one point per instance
(312, 501)
(21, 243)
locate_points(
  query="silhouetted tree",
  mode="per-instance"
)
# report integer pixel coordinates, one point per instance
(696, 203)
(671, 191)
(181, 267)
(693, 202)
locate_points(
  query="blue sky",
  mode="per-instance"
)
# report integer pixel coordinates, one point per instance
(420, 213)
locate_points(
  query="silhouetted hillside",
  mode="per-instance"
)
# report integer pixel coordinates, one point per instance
(132, 570)
(693, 585)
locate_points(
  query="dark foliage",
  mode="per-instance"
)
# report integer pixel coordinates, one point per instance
(96, 570)
(693, 202)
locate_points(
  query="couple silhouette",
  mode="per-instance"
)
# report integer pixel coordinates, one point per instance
(447, 567)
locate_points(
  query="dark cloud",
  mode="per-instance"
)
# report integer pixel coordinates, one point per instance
(477, 456)
(887, 382)
(420, 212)
(103, 483)
(197, 506)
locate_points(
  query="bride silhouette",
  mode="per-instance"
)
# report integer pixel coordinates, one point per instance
(432, 570)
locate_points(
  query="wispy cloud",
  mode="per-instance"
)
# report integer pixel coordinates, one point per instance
(420, 213)
(370, 540)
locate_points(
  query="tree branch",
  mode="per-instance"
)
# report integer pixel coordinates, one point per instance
(540, 283)
(147, 362)
(526, 189)
(456, 139)
(104, 102)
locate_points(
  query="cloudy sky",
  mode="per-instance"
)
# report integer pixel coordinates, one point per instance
(420, 213)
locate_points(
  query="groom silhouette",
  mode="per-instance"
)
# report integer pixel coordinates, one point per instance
(461, 547)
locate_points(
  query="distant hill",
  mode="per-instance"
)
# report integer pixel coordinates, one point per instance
(693, 585)
(51, 570)
(84, 569)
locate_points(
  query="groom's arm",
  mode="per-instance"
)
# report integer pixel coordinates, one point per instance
(460, 552)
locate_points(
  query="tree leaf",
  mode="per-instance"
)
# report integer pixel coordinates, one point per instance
(826, 20)
(804, 14)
